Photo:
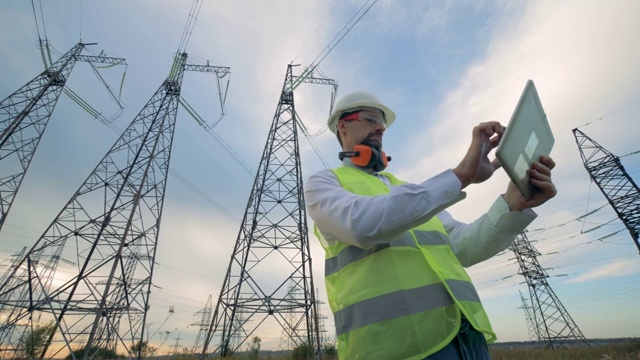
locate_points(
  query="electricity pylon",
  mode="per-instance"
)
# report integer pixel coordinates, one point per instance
(100, 302)
(24, 115)
(554, 326)
(273, 235)
(322, 328)
(286, 342)
(16, 259)
(606, 170)
(531, 323)
(203, 325)
(176, 345)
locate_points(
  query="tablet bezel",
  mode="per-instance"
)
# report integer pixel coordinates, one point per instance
(527, 137)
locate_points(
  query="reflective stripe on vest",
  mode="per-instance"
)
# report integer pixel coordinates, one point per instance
(400, 299)
(352, 254)
(432, 296)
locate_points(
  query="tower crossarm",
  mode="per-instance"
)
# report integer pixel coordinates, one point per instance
(101, 59)
(315, 80)
(321, 81)
(221, 70)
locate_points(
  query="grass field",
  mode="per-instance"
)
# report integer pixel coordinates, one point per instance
(626, 351)
(618, 351)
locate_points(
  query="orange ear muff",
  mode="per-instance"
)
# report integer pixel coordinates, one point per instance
(365, 154)
(366, 157)
(385, 161)
(369, 157)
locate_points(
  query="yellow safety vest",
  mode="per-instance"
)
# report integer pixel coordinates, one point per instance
(401, 299)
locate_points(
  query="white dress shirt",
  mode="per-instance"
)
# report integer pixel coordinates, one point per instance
(365, 221)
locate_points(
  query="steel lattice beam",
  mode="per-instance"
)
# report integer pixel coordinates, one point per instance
(606, 170)
(531, 324)
(273, 232)
(203, 325)
(24, 115)
(113, 221)
(554, 326)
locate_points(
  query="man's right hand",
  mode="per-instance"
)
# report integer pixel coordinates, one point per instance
(544, 188)
(475, 167)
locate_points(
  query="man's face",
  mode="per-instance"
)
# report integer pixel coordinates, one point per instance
(364, 127)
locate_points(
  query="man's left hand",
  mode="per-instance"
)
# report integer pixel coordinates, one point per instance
(476, 167)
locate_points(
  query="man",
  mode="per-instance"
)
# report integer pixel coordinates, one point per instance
(394, 256)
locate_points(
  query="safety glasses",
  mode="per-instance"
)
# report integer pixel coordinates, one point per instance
(369, 116)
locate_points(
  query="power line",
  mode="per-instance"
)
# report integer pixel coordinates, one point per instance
(333, 43)
(317, 28)
(579, 218)
(192, 186)
(609, 114)
(44, 28)
(191, 23)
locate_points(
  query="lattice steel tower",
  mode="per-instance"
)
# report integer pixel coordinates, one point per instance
(531, 323)
(24, 115)
(273, 234)
(606, 170)
(286, 341)
(113, 221)
(553, 324)
(203, 325)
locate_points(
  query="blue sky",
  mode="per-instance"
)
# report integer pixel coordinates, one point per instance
(442, 66)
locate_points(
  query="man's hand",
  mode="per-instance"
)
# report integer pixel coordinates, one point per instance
(544, 187)
(476, 167)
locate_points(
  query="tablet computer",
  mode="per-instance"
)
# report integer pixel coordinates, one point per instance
(527, 137)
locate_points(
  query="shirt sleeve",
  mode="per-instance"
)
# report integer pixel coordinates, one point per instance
(365, 221)
(490, 234)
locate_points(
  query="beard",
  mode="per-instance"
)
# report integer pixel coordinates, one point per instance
(374, 143)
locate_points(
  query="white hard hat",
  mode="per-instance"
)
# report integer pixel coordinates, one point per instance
(357, 100)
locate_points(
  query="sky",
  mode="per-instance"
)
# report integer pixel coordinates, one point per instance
(442, 66)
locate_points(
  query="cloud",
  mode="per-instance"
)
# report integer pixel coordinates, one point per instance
(444, 67)
(615, 269)
(556, 45)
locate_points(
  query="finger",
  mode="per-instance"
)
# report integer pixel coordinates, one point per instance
(545, 187)
(541, 179)
(548, 162)
(495, 141)
(496, 164)
(487, 129)
(490, 123)
(490, 128)
(540, 176)
(498, 128)
(542, 168)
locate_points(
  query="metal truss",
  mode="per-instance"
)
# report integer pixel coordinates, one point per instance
(531, 323)
(273, 235)
(91, 272)
(606, 170)
(554, 326)
(24, 115)
(203, 325)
